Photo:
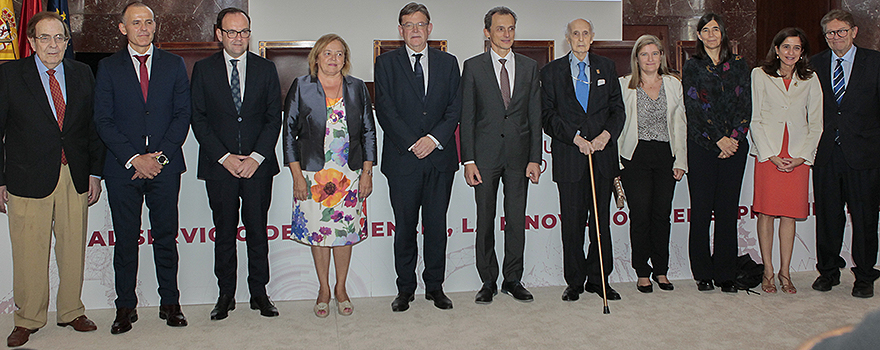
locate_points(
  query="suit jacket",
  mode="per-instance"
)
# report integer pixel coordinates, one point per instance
(857, 119)
(220, 129)
(122, 118)
(305, 123)
(491, 135)
(405, 118)
(564, 117)
(30, 139)
(774, 107)
(676, 123)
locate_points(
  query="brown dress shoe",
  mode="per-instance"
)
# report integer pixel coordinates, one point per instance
(81, 324)
(172, 315)
(19, 336)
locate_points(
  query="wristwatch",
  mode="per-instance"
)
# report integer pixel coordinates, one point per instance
(162, 159)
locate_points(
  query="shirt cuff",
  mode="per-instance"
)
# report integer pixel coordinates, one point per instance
(469, 162)
(258, 157)
(436, 143)
(223, 158)
(95, 176)
(128, 164)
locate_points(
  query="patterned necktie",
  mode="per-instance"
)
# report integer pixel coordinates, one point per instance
(235, 85)
(582, 88)
(839, 87)
(420, 74)
(60, 107)
(505, 83)
(145, 76)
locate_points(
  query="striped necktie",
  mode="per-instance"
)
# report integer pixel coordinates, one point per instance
(838, 83)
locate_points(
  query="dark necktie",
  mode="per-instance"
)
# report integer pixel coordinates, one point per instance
(60, 107)
(235, 85)
(505, 83)
(582, 88)
(420, 74)
(145, 76)
(839, 86)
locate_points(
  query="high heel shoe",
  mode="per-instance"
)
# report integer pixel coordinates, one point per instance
(767, 284)
(786, 285)
(344, 307)
(322, 310)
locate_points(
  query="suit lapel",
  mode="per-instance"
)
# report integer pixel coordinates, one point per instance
(519, 80)
(487, 69)
(32, 79)
(72, 84)
(566, 80)
(222, 82)
(250, 80)
(855, 76)
(406, 67)
(129, 75)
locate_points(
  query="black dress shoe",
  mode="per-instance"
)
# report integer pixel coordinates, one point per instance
(441, 301)
(728, 287)
(664, 286)
(401, 302)
(595, 288)
(645, 289)
(863, 289)
(704, 285)
(172, 315)
(124, 318)
(225, 303)
(265, 306)
(823, 283)
(571, 294)
(484, 296)
(517, 291)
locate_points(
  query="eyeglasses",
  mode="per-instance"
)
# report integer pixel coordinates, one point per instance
(58, 38)
(411, 26)
(231, 34)
(840, 33)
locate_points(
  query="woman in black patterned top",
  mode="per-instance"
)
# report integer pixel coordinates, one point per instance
(717, 99)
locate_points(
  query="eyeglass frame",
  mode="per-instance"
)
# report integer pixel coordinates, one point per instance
(231, 33)
(411, 26)
(57, 38)
(840, 33)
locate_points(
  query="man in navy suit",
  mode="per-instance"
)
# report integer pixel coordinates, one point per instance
(583, 113)
(847, 167)
(418, 106)
(143, 115)
(236, 117)
(48, 150)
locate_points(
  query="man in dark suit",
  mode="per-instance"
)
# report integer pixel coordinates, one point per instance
(583, 113)
(236, 100)
(48, 149)
(847, 166)
(501, 97)
(143, 114)
(418, 106)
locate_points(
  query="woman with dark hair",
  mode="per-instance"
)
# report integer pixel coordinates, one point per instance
(653, 157)
(330, 147)
(786, 126)
(717, 103)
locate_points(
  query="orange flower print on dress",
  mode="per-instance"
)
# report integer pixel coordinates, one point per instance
(331, 187)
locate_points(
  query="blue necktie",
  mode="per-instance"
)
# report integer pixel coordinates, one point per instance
(839, 87)
(235, 85)
(420, 75)
(582, 88)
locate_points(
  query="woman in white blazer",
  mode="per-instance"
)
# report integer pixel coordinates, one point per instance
(786, 126)
(652, 148)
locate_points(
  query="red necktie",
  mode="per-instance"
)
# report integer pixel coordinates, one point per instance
(145, 77)
(60, 107)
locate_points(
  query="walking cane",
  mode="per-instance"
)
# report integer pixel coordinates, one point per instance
(598, 238)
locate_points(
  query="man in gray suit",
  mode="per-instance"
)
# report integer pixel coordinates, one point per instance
(501, 140)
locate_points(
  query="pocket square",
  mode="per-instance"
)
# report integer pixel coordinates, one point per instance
(600, 82)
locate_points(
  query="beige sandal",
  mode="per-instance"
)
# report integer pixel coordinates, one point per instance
(785, 284)
(767, 284)
(322, 310)
(344, 307)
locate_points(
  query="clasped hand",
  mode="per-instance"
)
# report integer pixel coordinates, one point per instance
(241, 166)
(786, 165)
(146, 166)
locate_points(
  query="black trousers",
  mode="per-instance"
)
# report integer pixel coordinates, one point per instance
(714, 185)
(429, 190)
(254, 196)
(575, 201)
(649, 185)
(486, 193)
(126, 198)
(836, 184)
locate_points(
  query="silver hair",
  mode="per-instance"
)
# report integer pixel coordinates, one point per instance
(568, 26)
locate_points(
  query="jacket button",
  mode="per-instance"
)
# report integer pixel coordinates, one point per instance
(502, 135)
(239, 119)
(424, 113)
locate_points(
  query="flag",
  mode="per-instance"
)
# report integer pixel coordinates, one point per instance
(29, 8)
(8, 31)
(60, 7)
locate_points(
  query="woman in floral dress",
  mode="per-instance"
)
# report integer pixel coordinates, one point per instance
(330, 147)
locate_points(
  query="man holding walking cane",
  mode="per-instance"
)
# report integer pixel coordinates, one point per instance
(585, 159)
